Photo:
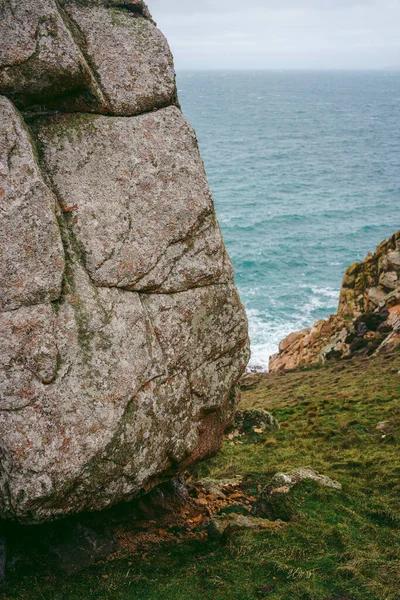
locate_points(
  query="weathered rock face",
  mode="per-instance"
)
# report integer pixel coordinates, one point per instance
(137, 199)
(122, 333)
(97, 56)
(32, 256)
(368, 318)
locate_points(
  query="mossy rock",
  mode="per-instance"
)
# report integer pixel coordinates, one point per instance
(254, 418)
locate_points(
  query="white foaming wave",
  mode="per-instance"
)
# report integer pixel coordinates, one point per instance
(327, 292)
(266, 332)
(314, 304)
(326, 298)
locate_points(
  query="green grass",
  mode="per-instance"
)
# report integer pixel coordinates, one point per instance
(335, 546)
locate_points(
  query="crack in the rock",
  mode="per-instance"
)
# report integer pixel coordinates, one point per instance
(18, 408)
(30, 114)
(194, 231)
(31, 304)
(10, 155)
(105, 260)
(183, 291)
(80, 43)
(210, 360)
(146, 312)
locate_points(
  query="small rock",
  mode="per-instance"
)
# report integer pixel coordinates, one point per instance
(222, 527)
(393, 298)
(283, 482)
(216, 528)
(382, 425)
(362, 329)
(263, 590)
(385, 328)
(219, 487)
(166, 497)
(254, 418)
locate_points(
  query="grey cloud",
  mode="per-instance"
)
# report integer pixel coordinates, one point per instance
(281, 33)
(211, 6)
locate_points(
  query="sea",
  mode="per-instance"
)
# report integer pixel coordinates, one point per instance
(305, 172)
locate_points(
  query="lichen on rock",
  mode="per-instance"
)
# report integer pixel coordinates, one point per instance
(136, 198)
(122, 333)
(31, 252)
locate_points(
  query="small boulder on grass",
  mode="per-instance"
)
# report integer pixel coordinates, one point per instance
(220, 528)
(287, 494)
(283, 482)
(254, 419)
(219, 487)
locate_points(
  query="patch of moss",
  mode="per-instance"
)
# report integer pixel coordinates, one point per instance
(71, 126)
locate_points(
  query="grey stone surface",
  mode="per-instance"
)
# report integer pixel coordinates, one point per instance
(28, 354)
(283, 482)
(122, 335)
(98, 56)
(137, 199)
(221, 527)
(198, 326)
(31, 253)
(129, 55)
(39, 59)
(134, 6)
(254, 418)
(389, 280)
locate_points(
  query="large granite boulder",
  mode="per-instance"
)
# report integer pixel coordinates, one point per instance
(368, 317)
(122, 334)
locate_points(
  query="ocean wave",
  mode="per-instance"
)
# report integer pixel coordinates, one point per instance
(266, 334)
(326, 291)
(267, 331)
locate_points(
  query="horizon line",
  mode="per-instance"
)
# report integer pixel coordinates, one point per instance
(280, 69)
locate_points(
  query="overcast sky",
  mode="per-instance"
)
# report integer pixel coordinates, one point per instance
(279, 34)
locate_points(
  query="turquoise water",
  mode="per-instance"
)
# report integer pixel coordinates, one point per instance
(305, 171)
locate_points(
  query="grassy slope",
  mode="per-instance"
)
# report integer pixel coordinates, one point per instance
(337, 545)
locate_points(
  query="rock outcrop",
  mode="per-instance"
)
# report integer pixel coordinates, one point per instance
(122, 333)
(368, 317)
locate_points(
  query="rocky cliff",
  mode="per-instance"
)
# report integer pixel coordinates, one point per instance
(122, 333)
(368, 317)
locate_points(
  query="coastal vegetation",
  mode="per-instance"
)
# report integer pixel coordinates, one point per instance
(321, 544)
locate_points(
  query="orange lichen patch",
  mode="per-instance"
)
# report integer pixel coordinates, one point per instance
(68, 209)
(394, 313)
